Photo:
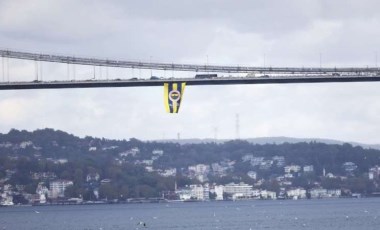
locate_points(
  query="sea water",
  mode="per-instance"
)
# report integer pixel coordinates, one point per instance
(278, 214)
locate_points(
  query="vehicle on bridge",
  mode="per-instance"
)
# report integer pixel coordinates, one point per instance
(205, 76)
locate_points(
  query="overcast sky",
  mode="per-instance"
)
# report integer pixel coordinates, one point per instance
(252, 32)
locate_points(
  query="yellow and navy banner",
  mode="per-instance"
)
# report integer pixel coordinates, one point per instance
(173, 93)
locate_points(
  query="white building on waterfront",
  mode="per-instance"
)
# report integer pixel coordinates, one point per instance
(200, 192)
(325, 193)
(244, 190)
(57, 188)
(219, 189)
(264, 194)
(296, 193)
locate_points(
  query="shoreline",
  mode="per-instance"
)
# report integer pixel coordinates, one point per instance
(174, 201)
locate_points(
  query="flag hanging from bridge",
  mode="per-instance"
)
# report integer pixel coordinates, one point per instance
(173, 93)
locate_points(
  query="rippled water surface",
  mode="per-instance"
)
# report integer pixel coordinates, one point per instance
(300, 214)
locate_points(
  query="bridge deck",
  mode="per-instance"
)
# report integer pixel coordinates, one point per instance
(189, 81)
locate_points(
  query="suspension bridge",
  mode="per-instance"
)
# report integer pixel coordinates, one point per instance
(244, 74)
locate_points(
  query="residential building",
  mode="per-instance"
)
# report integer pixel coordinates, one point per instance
(296, 193)
(256, 161)
(168, 172)
(279, 160)
(374, 173)
(334, 193)
(25, 144)
(199, 169)
(266, 164)
(219, 170)
(149, 169)
(200, 192)
(247, 157)
(219, 189)
(91, 149)
(252, 175)
(158, 152)
(147, 162)
(264, 194)
(57, 188)
(292, 168)
(318, 193)
(184, 194)
(243, 189)
(92, 177)
(60, 161)
(131, 152)
(308, 168)
(349, 166)
(44, 176)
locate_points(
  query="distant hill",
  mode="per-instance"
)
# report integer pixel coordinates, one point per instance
(273, 140)
(134, 169)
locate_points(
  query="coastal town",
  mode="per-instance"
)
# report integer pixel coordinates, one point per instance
(39, 180)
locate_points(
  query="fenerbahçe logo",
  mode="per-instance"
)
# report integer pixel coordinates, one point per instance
(174, 95)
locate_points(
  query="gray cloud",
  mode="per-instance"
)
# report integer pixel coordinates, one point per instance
(287, 33)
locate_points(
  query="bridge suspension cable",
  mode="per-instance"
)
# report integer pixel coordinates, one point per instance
(177, 67)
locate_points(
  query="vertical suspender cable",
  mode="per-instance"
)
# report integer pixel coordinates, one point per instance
(7, 68)
(36, 69)
(68, 71)
(3, 67)
(172, 70)
(107, 72)
(74, 71)
(41, 70)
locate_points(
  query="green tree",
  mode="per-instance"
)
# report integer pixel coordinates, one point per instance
(108, 191)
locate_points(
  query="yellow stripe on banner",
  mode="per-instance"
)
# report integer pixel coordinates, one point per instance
(166, 97)
(183, 89)
(175, 104)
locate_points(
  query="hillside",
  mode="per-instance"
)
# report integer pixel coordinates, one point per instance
(273, 140)
(133, 168)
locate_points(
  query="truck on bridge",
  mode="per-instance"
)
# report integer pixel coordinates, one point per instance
(205, 76)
